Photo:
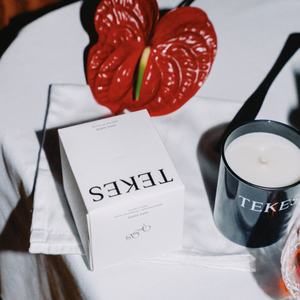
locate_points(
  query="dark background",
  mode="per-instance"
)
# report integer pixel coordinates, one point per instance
(15, 14)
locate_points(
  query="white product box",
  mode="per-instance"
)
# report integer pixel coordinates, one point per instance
(125, 195)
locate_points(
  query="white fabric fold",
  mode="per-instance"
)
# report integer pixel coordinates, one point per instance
(234, 262)
(53, 230)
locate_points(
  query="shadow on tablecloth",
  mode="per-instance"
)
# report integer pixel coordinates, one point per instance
(56, 280)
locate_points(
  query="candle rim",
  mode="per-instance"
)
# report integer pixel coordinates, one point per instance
(261, 121)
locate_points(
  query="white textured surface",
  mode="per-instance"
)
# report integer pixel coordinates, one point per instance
(49, 51)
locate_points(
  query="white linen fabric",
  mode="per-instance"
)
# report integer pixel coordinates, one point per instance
(54, 233)
(53, 230)
(49, 50)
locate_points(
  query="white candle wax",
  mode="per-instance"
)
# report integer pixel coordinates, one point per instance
(264, 159)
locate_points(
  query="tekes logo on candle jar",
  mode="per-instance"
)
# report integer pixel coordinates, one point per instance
(273, 207)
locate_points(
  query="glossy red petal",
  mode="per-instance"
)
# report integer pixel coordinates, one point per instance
(183, 50)
(124, 27)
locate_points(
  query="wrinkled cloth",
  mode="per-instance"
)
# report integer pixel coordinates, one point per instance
(53, 230)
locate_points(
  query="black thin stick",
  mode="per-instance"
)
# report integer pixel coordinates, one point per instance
(251, 107)
(185, 3)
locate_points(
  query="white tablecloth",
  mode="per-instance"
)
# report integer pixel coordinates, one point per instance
(49, 51)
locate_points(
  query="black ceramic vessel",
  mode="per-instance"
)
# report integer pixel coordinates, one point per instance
(251, 215)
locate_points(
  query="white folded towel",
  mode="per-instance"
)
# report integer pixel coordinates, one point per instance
(53, 230)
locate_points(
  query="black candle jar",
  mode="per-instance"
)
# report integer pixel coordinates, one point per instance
(249, 214)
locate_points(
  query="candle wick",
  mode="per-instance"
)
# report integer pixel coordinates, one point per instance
(263, 160)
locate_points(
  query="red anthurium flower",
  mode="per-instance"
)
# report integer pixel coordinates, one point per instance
(140, 61)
